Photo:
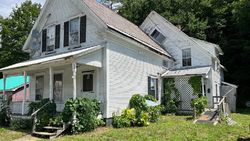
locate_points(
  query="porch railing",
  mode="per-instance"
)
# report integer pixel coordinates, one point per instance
(222, 106)
(34, 115)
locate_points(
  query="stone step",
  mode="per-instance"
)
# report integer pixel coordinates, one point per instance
(44, 134)
(52, 128)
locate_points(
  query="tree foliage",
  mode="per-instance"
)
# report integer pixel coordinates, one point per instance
(224, 22)
(16, 29)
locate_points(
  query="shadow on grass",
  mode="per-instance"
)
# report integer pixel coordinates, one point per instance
(243, 111)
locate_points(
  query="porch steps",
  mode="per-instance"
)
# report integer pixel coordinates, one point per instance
(208, 117)
(51, 132)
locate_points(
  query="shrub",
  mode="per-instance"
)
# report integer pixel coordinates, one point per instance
(199, 104)
(45, 114)
(4, 114)
(143, 119)
(150, 97)
(154, 113)
(56, 121)
(138, 102)
(86, 111)
(120, 122)
(21, 124)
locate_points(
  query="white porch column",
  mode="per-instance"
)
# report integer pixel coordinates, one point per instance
(4, 87)
(74, 70)
(50, 83)
(25, 91)
(202, 83)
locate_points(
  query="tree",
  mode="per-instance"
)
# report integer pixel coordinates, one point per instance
(16, 29)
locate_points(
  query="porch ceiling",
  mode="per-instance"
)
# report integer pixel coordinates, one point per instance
(51, 59)
(187, 72)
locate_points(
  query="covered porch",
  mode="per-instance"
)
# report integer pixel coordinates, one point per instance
(59, 77)
(181, 79)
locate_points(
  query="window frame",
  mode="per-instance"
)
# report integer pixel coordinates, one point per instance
(93, 81)
(156, 87)
(79, 29)
(186, 58)
(156, 31)
(47, 39)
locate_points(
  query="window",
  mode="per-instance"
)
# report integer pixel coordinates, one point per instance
(74, 32)
(153, 87)
(51, 38)
(58, 87)
(39, 87)
(87, 85)
(186, 57)
(158, 36)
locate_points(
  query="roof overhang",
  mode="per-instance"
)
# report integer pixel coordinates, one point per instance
(54, 58)
(187, 72)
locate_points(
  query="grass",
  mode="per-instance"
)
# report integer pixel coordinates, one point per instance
(9, 135)
(173, 128)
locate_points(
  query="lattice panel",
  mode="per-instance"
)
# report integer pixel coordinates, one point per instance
(186, 93)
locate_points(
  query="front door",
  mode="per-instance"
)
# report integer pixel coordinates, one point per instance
(58, 87)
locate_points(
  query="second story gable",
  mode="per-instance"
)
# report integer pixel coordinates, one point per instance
(187, 51)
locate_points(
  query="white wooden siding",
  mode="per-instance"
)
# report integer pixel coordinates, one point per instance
(129, 68)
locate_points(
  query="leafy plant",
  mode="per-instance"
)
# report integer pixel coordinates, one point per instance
(195, 82)
(45, 114)
(120, 121)
(154, 113)
(86, 112)
(143, 119)
(171, 97)
(21, 124)
(150, 97)
(4, 114)
(199, 104)
(138, 102)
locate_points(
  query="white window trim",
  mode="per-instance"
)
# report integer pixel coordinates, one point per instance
(156, 78)
(59, 72)
(94, 81)
(160, 33)
(39, 75)
(186, 58)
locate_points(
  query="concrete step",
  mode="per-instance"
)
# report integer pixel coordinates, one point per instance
(44, 134)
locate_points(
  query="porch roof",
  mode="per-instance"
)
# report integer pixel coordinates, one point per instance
(187, 72)
(52, 58)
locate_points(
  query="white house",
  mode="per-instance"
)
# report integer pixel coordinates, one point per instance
(80, 48)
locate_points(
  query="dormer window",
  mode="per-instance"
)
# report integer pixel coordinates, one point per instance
(158, 36)
(74, 32)
(51, 38)
(186, 57)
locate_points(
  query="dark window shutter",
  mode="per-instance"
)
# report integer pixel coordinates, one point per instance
(149, 84)
(57, 40)
(44, 40)
(83, 27)
(156, 89)
(66, 34)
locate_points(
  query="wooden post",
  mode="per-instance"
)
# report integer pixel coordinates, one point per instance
(50, 83)
(74, 70)
(25, 92)
(202, 83)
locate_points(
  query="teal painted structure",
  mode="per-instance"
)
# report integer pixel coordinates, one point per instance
(13, 82)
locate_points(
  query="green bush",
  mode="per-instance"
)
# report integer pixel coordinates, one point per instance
(21, 124)
(45, 114)
(150, 97)
(138, 102)
(120, 122)
(86, 111)
(4, 114)
(199, 104)
(143, 119)
(154, 113)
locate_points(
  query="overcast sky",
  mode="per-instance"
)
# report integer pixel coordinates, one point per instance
(7, 5)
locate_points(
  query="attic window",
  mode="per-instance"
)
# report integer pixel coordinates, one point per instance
(186, 57)
(158, 36)
(74, 32)
(51, 38)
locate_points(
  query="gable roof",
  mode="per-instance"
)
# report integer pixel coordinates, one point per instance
(13, 82)
(122, 25)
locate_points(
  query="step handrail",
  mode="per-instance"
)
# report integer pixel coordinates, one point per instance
(221, 105)
(34, 114)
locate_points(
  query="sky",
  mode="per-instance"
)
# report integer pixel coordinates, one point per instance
(7, 5)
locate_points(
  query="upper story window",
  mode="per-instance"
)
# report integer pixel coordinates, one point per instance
(158, 36)
(75, 31)
(186, 57)
(51, 38)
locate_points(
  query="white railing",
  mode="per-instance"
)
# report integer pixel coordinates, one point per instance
(222, 106)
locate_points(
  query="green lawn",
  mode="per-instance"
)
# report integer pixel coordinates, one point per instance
(9, 135)
(175, 128)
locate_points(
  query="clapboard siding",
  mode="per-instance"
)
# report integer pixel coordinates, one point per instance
(129, 68)
(61, 11)
(176, 41)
